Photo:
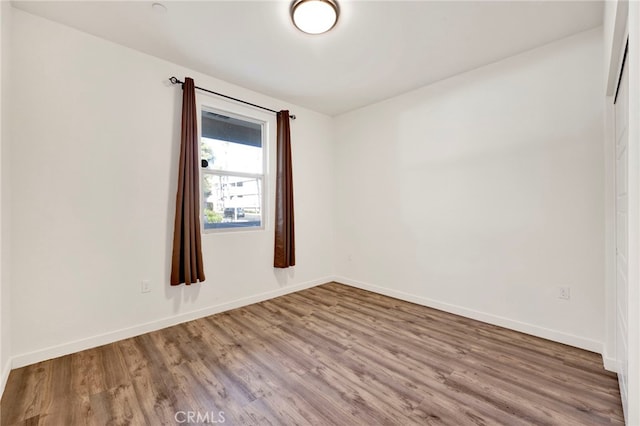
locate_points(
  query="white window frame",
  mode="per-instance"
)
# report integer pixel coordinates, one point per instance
(244, 114)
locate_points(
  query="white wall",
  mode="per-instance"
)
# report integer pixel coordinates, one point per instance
(483, 193)
(94, 164)
(5, 290)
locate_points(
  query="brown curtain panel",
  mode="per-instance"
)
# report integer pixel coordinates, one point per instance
(285, 253)
(186, 261)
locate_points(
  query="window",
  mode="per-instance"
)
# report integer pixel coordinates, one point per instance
(232, 166)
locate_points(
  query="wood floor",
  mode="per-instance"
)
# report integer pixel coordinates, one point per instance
(329, 355)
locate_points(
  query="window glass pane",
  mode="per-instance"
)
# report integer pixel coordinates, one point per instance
(231, 156)
(231, 201)
(224, 128)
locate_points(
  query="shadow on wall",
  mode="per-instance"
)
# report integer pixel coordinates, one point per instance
(284, 276)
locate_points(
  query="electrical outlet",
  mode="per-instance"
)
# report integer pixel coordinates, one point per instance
(145, 286)
(564, 293)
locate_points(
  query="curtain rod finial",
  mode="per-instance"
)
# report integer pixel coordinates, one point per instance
(174, 80)
(293, 116)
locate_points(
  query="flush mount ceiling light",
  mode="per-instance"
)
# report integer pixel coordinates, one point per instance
(314, 16)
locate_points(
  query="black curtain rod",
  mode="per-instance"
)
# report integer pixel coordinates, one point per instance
(624, 59)
(174, 80)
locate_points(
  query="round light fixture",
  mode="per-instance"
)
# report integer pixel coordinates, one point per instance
(314, 16)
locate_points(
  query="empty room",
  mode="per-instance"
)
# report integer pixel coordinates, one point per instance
(319, 212)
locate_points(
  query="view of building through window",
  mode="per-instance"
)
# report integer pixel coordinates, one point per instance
(232, 172)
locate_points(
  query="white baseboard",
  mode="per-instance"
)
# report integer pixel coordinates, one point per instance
(106, 338)
(6, 369)
(610, 364)
(125, 333)
(534, 330)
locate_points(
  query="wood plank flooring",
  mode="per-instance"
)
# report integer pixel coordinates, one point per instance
(329, 355)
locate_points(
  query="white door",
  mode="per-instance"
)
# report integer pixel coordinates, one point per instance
(622, 227)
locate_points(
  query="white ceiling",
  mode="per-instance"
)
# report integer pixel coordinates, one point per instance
(379, 49)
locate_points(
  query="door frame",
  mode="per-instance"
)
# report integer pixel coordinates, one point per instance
(625, 19)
